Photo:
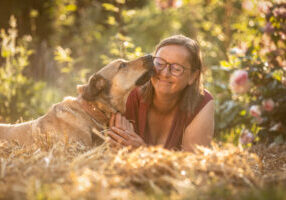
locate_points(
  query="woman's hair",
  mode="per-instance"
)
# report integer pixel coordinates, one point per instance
(192, 94)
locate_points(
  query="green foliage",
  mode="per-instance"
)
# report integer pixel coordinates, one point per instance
(18, 95)
(222, 191)
(264, 61)
(270, 192)
(85, 35)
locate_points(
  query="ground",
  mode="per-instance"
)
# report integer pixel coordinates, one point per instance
(49, 170)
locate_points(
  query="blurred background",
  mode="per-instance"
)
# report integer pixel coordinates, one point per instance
(49, 46)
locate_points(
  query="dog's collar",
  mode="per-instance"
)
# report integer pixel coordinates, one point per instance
(98, 116)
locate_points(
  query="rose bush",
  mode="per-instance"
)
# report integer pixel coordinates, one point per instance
(246, 137)
(255, 111)
(259, 76)
(239, 82)
(268, 105)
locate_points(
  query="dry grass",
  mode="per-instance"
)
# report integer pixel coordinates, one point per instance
(73, 171)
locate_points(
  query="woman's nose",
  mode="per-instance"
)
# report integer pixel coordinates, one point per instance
(166, 71)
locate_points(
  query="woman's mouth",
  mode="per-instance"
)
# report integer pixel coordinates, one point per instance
(164, 81)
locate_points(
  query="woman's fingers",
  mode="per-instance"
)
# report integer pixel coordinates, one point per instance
(137, 140)
(112, 120)
(122, 123)
(113, 142)
(125, 122)
(118, 122)
(130, 137)
(124, 134)
(130, 127)
(116, 138)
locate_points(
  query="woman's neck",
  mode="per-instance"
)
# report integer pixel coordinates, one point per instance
(165, 104)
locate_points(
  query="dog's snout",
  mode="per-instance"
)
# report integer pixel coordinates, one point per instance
(148, 61)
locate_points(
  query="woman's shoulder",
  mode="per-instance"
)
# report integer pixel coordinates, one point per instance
(205, 99)
(207, 96)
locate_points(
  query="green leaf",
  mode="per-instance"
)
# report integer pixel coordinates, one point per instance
(128, 13)
(120, 1)
(66, 69)
(71, 7)
(5, 53)
(110, 7)
(243, 113)
(111, 20)
(225, 64)
(277, 74)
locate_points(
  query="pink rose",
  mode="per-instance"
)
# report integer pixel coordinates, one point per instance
(165, 4)
(280, 12)
(264, 6)
(268, 105)
(178, 3)
(246, 137)
(255, 111)
(248, 5)
(239, 82)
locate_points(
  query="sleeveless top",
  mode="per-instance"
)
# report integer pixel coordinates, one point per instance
(137, 110)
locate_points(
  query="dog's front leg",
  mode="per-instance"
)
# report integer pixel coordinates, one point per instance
(22, 133)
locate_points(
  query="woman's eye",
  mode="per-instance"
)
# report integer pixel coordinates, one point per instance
(158, 63)
(177, 68)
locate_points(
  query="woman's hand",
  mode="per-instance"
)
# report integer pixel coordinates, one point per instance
(122, 132)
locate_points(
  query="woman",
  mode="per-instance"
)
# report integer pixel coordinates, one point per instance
(172, 109)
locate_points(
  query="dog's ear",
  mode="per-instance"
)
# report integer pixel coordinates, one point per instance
(95, 85)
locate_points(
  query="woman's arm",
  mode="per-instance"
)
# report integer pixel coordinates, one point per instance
(201, 130)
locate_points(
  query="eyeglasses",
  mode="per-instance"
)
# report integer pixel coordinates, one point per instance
(174, 68)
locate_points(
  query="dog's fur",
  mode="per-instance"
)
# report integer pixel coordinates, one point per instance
(75, 118)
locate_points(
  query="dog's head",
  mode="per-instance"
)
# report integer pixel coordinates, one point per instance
(113, 83)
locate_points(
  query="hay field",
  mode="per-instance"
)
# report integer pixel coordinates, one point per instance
(48, 170)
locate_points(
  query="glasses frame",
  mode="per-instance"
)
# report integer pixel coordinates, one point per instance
(169, 65)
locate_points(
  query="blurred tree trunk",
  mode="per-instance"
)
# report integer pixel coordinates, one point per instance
(228, 7)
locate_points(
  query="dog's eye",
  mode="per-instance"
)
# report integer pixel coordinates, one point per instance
(122, 65)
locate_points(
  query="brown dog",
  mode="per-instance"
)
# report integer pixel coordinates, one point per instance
(75, 118)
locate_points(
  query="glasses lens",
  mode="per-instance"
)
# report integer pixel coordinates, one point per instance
(159, 63)
(176, 69)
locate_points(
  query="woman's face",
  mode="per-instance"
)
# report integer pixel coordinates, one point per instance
(163, 81)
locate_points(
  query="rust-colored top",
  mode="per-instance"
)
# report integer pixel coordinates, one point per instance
(137, 110)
